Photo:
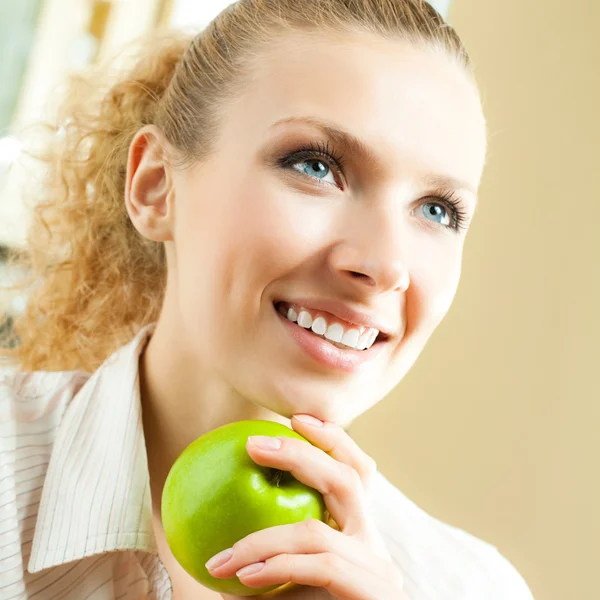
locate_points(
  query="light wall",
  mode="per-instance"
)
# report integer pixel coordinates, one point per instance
(496, 427)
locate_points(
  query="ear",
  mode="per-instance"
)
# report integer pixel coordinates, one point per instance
(149, 185)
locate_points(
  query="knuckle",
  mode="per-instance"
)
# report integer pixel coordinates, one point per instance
(240, 546)
(350, 478)
(333, 562)
(371, 465)
(316, 528)
(245, 546)
(367, 470)
(287, 564)
(317, 537)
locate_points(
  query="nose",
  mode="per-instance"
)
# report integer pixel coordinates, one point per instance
(370, 256)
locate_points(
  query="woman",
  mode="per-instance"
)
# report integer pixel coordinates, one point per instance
(263, 222)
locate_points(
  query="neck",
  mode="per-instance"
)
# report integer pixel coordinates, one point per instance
(182, 401)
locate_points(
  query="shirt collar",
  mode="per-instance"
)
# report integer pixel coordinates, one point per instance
(96, 494)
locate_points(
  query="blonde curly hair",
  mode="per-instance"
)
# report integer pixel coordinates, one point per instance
(91, 280)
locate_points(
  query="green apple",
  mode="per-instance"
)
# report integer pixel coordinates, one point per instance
(215, 495)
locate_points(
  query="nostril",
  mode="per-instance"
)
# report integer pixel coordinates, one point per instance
(366, 278)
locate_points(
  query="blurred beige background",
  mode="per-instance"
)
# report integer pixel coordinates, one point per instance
(496, 427)
(494, 430)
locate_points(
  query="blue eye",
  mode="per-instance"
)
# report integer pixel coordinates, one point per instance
(437, 213)
(316, 161)
(316, 168)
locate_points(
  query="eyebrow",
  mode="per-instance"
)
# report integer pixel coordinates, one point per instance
(356, 146)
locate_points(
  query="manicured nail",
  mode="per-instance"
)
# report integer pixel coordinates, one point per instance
(219, 559)
(265, 442)
(250, 569)
(309, 420)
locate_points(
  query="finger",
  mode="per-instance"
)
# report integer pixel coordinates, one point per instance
(329, 571)
(310, 536)
(340, 485)
(331, 438)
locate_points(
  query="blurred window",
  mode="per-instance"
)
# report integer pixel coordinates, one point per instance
(17, 33)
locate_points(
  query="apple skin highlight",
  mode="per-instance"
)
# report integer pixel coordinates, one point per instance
(215, 495)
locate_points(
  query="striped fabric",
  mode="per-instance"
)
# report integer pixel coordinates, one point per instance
(75, 507)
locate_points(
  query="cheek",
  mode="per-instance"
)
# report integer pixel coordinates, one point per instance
(435, 274)
(229, 251)
(276, 231)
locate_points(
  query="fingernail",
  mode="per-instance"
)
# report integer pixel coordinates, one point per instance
(219, 559)
(265, 442)
(309, 420)
(250, 569)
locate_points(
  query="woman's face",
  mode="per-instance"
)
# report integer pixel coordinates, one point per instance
(346, 176)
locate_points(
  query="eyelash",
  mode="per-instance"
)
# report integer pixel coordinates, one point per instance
(321, 150)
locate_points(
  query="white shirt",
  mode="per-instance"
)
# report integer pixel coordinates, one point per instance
(75, 507)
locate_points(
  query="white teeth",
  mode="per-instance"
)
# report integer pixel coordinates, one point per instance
(304, 319)
(334, 332)
(319, 326)
(372, 338)
(351, 338)
(363, 340)
(359, 339)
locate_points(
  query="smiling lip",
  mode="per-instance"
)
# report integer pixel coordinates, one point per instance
(344, 313)
(327, 354)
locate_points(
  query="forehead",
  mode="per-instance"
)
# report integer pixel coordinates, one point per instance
(413, 105)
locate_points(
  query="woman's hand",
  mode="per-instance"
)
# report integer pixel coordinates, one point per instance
(349, 563)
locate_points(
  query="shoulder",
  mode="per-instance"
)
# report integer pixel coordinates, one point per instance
(438, 559)
(35, 402)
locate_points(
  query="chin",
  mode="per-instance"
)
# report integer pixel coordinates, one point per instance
(331, 414)
(288, 396)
